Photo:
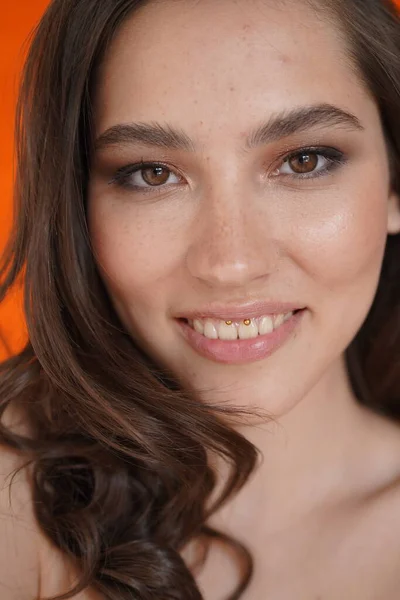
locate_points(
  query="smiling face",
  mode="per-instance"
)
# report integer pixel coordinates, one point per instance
(271, 183)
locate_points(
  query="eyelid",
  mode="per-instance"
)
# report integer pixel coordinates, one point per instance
(335, 157)
(288, 154)
(130, 169)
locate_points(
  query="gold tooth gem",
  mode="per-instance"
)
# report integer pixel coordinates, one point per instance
(228, 322)
(247, 321)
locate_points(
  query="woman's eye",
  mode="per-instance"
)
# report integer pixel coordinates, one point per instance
(154, 176)
(302, 164)
(306, 162)
(310, 163)
(145, 176)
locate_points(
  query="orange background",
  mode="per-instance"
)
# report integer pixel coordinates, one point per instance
(17, 20)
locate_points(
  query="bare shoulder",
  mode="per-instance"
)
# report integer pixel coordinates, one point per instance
(19, 533)
(378, 528)
(58, 576)
(384, 467)
(31, 567)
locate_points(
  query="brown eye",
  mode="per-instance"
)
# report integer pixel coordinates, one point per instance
(304, 162)
(156, 175)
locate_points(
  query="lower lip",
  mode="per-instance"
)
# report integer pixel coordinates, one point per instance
(241, 351)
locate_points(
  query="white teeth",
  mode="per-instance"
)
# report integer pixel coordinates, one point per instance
(198, 326)
(227, 332)
(247, 332)
(210, 331)
(214, 329)
(278, 320)
(265, 326)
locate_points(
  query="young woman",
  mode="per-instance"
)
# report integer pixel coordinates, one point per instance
(207, 229)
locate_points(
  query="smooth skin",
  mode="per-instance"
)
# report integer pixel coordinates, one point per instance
(231, 224)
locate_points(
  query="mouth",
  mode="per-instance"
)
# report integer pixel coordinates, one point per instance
(242, 329)
(234, 341)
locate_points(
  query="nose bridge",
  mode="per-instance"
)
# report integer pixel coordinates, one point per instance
(231, 243)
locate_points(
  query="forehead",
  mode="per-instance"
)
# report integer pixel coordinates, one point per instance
(218, 62)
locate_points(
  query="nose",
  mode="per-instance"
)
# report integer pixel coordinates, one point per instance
(232, 244)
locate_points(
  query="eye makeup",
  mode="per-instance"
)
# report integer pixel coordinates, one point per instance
(312, 162)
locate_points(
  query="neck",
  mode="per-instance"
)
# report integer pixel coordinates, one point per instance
(326, 450)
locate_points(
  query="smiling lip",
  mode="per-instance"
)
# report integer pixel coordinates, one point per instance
(240, 351)
(239, 312)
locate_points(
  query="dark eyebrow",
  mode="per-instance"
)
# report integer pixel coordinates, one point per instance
(146, 134)
(299, 120)
(278, 126)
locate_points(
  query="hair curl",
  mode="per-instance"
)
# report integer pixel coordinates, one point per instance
(122, 476)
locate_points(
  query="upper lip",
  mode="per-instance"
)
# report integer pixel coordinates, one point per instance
(240, 311)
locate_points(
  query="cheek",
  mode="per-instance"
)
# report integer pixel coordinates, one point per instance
(134, 253)
(347, 245)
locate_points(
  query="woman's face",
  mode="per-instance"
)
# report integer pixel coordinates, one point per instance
(272, 187)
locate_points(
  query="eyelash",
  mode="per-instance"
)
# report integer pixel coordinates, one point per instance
(335, 158)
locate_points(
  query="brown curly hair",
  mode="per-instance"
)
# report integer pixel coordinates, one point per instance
(122, 473)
